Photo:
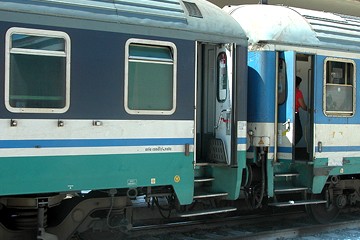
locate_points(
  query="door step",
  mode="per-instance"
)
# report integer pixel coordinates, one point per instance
(203, 179)
(207, 212)
(290, 189)
(199, 195)
(290, 174)
(204, 164)
(287, 187)
(296, 203)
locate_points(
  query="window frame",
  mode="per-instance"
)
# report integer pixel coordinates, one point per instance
(325, 84)
(35, 52)
(151, 43)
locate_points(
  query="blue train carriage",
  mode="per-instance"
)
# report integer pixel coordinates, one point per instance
(323, 49)
(125, 99)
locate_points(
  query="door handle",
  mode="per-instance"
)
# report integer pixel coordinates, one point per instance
(226, 119)
(287, 125)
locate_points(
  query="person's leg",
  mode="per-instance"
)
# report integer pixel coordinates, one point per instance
(298, 129)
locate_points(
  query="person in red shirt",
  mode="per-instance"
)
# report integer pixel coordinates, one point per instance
(299, 103)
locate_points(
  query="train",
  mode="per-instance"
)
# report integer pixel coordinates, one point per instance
(180, 103)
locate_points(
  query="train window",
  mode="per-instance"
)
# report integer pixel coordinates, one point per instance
(150, 77)
(222, 78)
(339, 87)
(37, 71)
(281, 81)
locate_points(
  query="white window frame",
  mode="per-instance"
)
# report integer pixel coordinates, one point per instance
(9, 50)
(126, 83)
(339, 113)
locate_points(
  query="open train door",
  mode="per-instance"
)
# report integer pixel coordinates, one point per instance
(215, 118)
(284, 148)
(221, 146)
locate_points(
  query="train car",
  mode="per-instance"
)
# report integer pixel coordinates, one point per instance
(322, 171)
(103, 102)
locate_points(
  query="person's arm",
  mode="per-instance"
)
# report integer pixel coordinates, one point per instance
(302, 104)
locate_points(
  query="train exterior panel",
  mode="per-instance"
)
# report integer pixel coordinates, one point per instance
(118, 142)
(39, 136)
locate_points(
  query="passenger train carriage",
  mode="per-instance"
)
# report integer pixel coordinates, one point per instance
(324, 50)
(176, 103)
(123, 98)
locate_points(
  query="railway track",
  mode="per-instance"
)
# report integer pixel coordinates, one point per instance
(297, 232)
(272, 226)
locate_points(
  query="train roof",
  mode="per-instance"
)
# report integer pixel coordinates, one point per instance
(190, 19)
(296, 26)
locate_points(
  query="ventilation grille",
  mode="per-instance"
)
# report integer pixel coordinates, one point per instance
(193, 10)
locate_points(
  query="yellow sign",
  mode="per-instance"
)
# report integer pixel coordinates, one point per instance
(177, 178)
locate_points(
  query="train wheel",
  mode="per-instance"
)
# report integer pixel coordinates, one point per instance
(322, 213)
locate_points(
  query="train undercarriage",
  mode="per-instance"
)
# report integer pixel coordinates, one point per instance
(61, 216)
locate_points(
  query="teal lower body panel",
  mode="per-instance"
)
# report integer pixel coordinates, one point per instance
(229, 179)
(47, 174)
(322, 171)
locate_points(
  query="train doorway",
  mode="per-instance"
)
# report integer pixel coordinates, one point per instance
(291, 65)
(214, 112)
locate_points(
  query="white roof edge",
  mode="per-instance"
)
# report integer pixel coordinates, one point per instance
(297, 27)
(273, 23)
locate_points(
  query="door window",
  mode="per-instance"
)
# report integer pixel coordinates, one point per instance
(281, 81)
(222, 77)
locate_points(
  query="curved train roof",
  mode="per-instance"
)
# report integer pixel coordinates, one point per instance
(296, 26)
(190, 19)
